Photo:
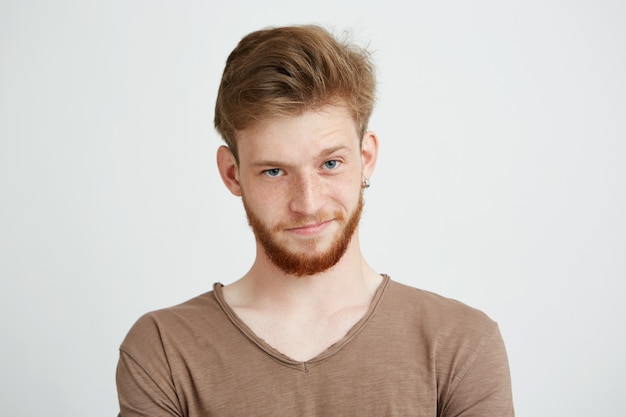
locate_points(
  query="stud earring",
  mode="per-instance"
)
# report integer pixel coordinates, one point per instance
(366, 183)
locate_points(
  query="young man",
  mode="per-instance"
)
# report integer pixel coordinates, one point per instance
(311, 329)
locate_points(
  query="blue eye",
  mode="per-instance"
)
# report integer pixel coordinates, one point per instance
(274, 172)
(333, 163)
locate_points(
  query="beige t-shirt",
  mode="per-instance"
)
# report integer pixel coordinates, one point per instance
(414, 353)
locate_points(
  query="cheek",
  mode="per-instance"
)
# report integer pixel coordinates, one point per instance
(347, 194)
(262, 200)
(267, 194)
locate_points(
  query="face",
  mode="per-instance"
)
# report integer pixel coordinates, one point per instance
(300, 181)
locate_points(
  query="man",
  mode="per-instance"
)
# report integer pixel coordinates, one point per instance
(311, 329)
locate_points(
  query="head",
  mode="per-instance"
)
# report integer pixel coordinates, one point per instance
(300, 99)
(286, 71)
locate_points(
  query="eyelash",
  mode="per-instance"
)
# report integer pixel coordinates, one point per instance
(336, 162)
(267, 172)
(279, 171)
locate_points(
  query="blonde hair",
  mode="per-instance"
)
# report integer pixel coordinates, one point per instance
(289, 70)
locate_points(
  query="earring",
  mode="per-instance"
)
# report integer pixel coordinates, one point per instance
(366, 183)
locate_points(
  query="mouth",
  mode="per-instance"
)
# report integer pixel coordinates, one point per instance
(309, 229)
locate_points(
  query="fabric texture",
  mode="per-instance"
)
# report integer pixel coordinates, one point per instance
(414, 353)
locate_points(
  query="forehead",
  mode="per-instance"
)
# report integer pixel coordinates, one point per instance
(300, 135)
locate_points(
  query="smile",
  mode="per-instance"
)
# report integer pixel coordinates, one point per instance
(310, 229)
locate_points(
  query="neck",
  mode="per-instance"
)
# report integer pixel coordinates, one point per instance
(350, 281)
(302, 316)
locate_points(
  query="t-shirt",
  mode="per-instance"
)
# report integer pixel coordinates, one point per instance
(414, 353)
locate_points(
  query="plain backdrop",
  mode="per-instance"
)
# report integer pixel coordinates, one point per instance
(500, 183)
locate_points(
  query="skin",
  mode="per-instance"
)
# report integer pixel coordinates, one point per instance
(301, 177)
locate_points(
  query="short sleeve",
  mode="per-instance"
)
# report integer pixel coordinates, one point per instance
(485, 387)
(144, 385)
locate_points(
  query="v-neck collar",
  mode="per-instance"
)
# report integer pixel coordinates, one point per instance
(281, 357)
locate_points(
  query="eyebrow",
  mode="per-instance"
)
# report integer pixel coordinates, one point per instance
(323, 153)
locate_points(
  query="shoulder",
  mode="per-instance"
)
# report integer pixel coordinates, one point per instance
(161, 328)
(457, 338)
(448, 329)
(434, 310)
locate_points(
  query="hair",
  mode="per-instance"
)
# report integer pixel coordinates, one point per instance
(286, 71)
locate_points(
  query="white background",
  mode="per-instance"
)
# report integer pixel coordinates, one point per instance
(501, 180)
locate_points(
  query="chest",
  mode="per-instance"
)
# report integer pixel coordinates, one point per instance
(302, 338)
(365, 378)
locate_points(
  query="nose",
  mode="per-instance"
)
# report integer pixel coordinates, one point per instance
(306, 193)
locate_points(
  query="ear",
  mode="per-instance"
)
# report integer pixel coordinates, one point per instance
(229, 170)
(369, 154)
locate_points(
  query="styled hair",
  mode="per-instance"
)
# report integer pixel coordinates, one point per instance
(286, 71)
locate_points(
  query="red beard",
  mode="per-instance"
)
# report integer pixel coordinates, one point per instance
(303, 263)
